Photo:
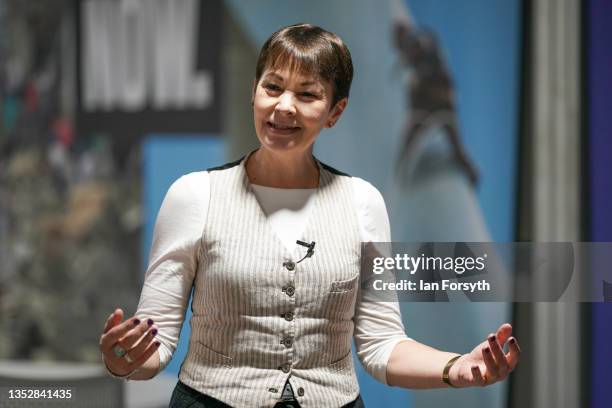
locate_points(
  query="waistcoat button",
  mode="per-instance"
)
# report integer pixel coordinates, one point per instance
(285, 368)
(290, 265)
(287, 341)
(274, 390)
(290, 290)
(301, 392)
(288, 316)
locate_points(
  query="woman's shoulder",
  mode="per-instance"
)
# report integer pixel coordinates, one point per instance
(333, 170)
(189, 189)
(371, 211)
(191, 181)
(364, 191)
(226, 166)
(368, 198)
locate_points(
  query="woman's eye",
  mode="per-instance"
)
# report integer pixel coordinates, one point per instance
(272, 87)
(308, 95)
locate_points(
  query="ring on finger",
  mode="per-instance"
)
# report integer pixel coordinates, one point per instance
(119, 350)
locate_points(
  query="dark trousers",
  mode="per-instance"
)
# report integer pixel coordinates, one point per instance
(185, 396)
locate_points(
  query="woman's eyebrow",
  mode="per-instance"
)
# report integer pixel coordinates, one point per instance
(280, 78)
(276, 76)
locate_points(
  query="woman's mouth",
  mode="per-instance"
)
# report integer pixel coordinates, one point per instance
(281, 129)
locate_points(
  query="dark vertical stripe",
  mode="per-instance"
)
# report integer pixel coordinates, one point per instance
(520, 387)
(599, 99)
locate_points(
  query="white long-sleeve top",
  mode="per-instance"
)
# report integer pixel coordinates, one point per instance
(177, 241)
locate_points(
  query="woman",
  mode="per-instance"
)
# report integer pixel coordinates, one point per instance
(271, 246)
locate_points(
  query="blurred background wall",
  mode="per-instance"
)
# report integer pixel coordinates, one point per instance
(104, 103)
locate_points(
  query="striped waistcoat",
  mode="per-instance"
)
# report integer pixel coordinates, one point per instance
(259, 318)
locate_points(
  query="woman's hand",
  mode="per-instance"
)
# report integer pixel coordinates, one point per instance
(487, 363)
(127, 345)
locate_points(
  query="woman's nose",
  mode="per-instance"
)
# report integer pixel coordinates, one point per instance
(286, 104)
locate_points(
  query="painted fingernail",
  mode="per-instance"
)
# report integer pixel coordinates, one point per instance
(153, 332)
(150, 322)
(512, 341)
(492, 337)
(136, 322)
(487, 350)
(157, 343)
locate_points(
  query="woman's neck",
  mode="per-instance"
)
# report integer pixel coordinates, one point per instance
(282, 170)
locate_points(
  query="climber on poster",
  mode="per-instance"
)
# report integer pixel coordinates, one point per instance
(431, 92)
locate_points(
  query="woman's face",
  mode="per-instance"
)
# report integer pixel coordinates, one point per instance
(290, 109)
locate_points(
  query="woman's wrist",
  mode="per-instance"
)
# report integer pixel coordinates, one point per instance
(446, 371)
(118, 376)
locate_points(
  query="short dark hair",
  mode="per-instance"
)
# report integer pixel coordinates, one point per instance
(310, 49)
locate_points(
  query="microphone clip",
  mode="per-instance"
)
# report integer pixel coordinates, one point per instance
(310, 247)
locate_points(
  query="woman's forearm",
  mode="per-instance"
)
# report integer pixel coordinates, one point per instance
(415, 365)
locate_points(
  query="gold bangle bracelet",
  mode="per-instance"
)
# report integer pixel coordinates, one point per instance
(447, 368)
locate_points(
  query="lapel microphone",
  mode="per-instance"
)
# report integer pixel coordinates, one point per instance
(310, 249)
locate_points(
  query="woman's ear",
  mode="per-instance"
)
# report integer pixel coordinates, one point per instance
(336, 112)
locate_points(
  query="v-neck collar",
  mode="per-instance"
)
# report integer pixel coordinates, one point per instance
(306, 236)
